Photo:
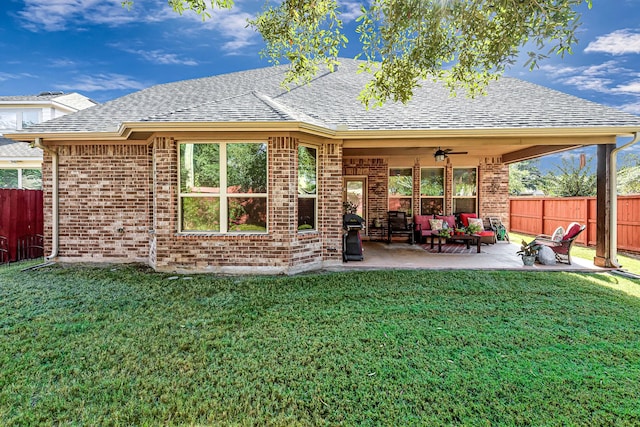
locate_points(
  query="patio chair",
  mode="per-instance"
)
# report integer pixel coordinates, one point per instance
(398, 225)
(561, 242)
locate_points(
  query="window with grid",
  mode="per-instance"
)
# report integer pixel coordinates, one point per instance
(465, 186)
(432, 191)
(307, 187)
(401, 190)
(223, 187)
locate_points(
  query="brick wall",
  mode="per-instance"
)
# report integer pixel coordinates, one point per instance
(493, 180)
(104, 200)
(377, 171)
(282, 250)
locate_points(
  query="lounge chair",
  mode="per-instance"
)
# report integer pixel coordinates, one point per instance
(561, 241)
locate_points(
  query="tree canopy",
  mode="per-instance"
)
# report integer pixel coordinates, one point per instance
(465, 43)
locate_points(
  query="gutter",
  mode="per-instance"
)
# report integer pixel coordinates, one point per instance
(613, 189)
(55, 235)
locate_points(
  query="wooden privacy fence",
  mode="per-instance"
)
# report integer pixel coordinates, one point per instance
(542, 215)
(21, 224)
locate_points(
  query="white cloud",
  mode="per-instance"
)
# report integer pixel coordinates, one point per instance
(619, 42)
(100, 82)
(12, 76)
(631, 87)
(350, 10)
(159, 57)
(58, 15)
(633, 108)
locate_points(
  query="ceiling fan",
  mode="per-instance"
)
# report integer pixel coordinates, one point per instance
(441, 154)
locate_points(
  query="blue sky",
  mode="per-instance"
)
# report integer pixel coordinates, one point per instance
(99, 49)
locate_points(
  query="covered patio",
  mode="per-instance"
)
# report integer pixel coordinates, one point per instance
(499, 256)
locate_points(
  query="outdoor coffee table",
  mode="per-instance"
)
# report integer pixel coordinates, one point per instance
(466, 238)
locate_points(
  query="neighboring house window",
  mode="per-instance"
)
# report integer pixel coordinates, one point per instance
(401, 190)
(307, 187)
(432, 191)
(28, 179)
(8, 120)
(18, 119)
(30, 117)
(464, 190)
(223, 187)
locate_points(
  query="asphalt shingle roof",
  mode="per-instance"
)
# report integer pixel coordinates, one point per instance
(331, 100)
(13, 149)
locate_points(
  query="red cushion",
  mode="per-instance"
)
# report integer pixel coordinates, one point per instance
(485, 233)
(450, 220)
(464, 218)
(572, 231)
(423, 221)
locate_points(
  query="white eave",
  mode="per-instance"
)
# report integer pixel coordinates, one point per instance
(339, 132)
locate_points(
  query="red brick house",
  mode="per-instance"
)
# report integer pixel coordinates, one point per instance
(234, 174)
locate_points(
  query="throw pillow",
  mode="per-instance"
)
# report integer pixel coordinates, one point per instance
(573, 229)
(436, 224)
(477, 221)
(558, 234)
(450, 219)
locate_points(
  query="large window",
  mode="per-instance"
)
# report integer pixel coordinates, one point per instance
(464, 190)
(307, 187)
(19, 119)
(432, 191)
(29, 179)
(401, 190)
(223, 187)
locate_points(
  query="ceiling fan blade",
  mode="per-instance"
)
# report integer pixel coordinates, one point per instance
(457, 152)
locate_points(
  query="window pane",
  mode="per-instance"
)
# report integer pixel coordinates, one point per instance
(400, 182)
(200, 214)
(30, 117)
(306, 213)
(8, 120)
(247, 214)
(464, 182)
(464, 205)
(200, 168)
(432, 182)
(307, 170)
(247, 168)
(431, 205)
(32, 179)
(400, 204)
(8, 178)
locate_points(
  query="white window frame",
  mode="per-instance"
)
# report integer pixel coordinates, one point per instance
(453, 189)
(444, 188)
(389, 197)
(223, 195)
(308, 196)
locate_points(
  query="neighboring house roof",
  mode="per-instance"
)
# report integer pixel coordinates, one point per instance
(330, 102)
(68, 101)
(10, 150)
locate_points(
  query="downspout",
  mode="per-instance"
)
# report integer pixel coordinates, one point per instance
(613, 211)
(54, 195)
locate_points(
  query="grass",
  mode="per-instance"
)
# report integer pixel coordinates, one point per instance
(629, 262)
(126, 346)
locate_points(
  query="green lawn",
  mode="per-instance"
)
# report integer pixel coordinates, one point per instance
(126, 346)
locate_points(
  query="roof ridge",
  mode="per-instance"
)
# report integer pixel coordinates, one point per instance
(193, 106)
(287, 111)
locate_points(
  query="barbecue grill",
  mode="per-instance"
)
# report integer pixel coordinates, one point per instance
(351, 241)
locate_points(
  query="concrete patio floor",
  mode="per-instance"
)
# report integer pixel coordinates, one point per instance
(499, 256)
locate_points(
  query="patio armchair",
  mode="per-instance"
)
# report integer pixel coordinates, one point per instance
(398, 225)
(561, 242)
